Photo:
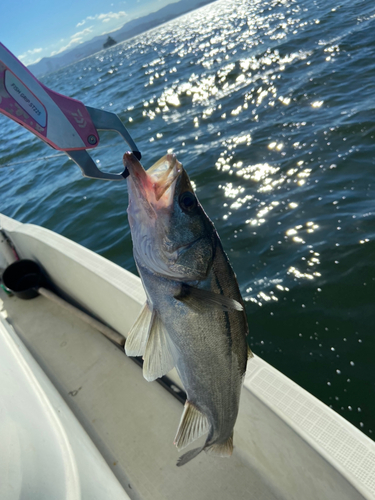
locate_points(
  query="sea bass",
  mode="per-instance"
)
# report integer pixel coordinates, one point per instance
(194, 317)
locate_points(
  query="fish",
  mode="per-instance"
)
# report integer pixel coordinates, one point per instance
(194, 317)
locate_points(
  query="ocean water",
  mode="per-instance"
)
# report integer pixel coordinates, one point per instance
(270, 107)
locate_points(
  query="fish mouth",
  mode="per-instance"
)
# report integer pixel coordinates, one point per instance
(154, 184)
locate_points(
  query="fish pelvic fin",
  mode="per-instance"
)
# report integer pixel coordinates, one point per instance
(221, 449)
(158, 359)
(200, 300)
(193, 424)
(136, 341)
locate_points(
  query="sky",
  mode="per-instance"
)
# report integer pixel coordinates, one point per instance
(32, 29)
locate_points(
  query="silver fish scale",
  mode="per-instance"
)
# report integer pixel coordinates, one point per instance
(200, 326)
(210, 349)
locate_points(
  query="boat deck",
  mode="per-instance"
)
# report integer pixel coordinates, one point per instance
(131, 421)
(288, 445)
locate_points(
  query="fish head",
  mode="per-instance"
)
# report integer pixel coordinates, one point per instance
(172, 235)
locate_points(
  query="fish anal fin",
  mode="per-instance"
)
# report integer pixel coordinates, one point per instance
(158, 358)
(137, 338)
(221, 449)
(201, 300)
(193, 424)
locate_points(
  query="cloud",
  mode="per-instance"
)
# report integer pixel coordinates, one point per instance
(27, 58)
(111, 15)
(74, 40)
(34, 55)
(104, 18)
(29, 53)
(109, 22)
(82, 33)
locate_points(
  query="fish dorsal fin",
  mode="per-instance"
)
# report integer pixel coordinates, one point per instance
(193, 424)
(158, 358)
(136, 341)
(203, 300)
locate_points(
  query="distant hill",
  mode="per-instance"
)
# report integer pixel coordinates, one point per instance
(128, 30)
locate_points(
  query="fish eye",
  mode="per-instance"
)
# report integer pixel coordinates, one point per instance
(187, 201)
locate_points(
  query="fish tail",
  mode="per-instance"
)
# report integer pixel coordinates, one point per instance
(219, 449)
(186, 457)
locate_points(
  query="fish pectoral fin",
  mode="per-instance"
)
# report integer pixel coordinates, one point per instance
(193, 424)
(249, 353)
(202, 300)
(136, 341)
(221, 449)
(158, 358)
